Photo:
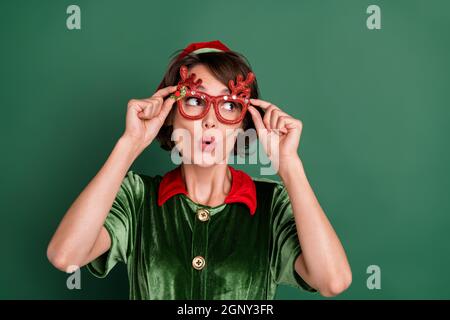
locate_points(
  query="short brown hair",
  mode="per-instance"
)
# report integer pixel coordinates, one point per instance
(224, 66)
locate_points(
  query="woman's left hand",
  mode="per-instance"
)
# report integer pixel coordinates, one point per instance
(278, 132)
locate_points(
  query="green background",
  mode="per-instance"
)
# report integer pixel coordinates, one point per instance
(374, 104)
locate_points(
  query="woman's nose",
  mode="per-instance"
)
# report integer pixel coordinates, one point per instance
(210, 120)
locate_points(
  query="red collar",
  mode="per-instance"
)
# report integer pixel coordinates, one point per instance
(243, 188)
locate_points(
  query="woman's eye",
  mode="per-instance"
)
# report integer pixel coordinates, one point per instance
(193, 102)
(229, 106)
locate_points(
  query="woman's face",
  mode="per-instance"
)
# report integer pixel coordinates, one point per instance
(206, 141)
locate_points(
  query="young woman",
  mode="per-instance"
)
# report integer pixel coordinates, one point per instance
(204, 230)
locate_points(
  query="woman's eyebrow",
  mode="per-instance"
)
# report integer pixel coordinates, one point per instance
(225, 90)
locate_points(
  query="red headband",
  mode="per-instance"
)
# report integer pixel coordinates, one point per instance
(200, 47)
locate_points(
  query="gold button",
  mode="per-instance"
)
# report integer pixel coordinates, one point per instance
(203, 215)
(198, 262)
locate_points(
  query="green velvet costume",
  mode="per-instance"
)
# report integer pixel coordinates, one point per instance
(175, 250)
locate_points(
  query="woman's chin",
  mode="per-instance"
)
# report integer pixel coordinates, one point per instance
(207, 159)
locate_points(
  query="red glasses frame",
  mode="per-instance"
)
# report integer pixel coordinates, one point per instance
(215, 101)
(240, 93)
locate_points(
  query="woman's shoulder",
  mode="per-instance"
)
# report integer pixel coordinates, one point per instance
(269, 191)
(139, 183)
(138, 177)
(267, 183)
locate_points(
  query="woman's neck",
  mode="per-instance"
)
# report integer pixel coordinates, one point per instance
(207, 185)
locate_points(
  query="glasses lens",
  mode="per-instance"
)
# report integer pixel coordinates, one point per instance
(230, 110)
(193, 105)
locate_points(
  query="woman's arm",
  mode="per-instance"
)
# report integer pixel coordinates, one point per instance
(80, 236)
(323, 263)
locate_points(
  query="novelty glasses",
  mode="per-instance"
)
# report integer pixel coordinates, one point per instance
(194, 104)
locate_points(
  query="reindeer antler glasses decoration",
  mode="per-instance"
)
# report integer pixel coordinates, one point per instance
(230, 108)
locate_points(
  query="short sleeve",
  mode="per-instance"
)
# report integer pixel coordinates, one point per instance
(121, 225)
(285, 244)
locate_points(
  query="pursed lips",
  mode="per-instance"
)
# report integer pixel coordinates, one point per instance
(208, 143)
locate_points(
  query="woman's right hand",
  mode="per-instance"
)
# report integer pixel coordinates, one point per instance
(146, 116)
